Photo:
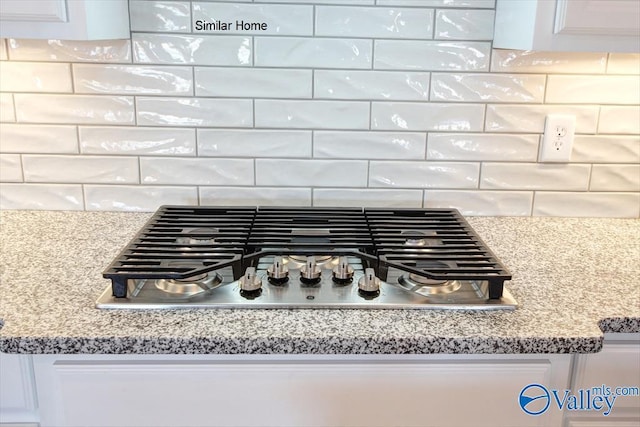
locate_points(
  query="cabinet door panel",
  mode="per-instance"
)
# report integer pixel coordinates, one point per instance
(65, 20)
(611, 17)
(33, 10)
(197, 393)
(17, 394)
(617, 365)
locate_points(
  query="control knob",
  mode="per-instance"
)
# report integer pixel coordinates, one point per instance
(278, 272)
(310, 272)
(369, 284)
(343, 272)
(250, 282)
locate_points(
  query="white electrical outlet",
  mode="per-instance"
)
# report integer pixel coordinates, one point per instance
(557, 141)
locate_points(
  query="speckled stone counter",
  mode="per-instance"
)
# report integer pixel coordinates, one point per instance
(574, 279)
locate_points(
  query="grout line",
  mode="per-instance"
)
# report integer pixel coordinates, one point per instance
(253, 113)
(533, 202)
(78, 143)
(589, 178)
(313, 21)
(196, 138)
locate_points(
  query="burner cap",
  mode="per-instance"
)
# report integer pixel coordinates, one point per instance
(191, 285)
(425, 286)
(198, 236)
(421, 238)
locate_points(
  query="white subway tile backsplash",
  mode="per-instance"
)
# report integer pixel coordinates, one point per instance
(623, 205)
(64, 197)
(311, 114)
(422, 116)
(312, 52)
(431, 55)
(137, 140)
(72, 109)
(7, 112)
(80, 169)
(292, 20)
(482, 146)
(253, 82)
(439, 3)
(314, 173)
(191, 49)
(201, 171)
(10, 168)
(132, 79)
(164, 16)
(526, 61)
(35, 77)
(343, 2)
(137, 198)
(423, 174)
(24, 138)
(369, 145)
(535, 176)
(374, 85)
(593, 89)
(624, 63)
(344, 197)
(194, 112)
(615, 178)
(487, 87)
(464, 24)
(255, 196)
(396, 103)
(496, 203)
(70, 50)
(606, 149)
(622, 120)
(530, 118)
(253, 143)
(374, 22)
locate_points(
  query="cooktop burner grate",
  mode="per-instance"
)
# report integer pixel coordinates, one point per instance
(437, 244)
(179, 242)
(182, 242)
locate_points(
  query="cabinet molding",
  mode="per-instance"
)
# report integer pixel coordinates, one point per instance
(33, 10)
(313, 392)
(568, 25)
(18, 402)
(65, 20)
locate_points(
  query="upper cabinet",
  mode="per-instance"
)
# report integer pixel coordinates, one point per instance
(65, 20)
(568, 25)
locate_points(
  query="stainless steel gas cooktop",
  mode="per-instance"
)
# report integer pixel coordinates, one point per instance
(213, 257)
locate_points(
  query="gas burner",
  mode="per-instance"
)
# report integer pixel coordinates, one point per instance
(421, 238)
(188, 286)
(426, 286)
(415, 283)
(198, 236)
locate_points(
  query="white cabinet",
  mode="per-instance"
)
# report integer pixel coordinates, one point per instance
(286, 391)
(568, 25)
(66, 20)
(616, 367)
(17, 394)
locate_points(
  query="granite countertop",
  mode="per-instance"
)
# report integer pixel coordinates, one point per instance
(574, 278)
